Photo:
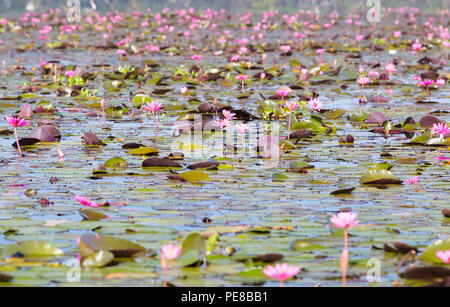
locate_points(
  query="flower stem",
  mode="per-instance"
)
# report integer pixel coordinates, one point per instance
(289, 124)
(17, 141)
(156, 122)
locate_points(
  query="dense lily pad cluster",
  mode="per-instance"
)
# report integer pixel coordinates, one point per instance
(233, 137)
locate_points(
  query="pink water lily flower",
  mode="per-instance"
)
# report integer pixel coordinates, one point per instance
(390, 68)
(362, 80)
(441, 82)
(171, 251)
(221, 123)
(242, 128)
(242, 78)
(70, 73)
(441, 129)
(292, 105)
(16, 122)
(153, 107)
(281, 272)
(320, 51)
(444, 256)
(284, 91)
(315, 104)
(196, 57)
(229, 115)
(412, 180)
(344, 219)
(86, 202)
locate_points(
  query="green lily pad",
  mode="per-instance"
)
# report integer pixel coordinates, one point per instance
(115, 162)
(144, 151)
(33, 249)
(98, 259)
(91, 243)
(195, 176)
(429, 254)
(379, 176)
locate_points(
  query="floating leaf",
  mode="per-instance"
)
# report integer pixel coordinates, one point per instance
(279, 177)
(194, 241)
(91, 243)
(297, 166)
(379, 176)
(195, 176)
(115, 162)
(145, 151)
(92, 215)
(431, 272)
(429, 254)
(33, 249)
(98, 259)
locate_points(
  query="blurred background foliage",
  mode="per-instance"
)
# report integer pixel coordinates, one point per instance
(232, 6)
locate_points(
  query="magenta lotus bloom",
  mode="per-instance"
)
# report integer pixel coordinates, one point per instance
(441, 82)
(285, 48)
(361, 81)
(196, 57)
(242, 128)
(284, 91)
(86, 202)
(413, 180)
(320, 51)
(291, 105)
(281, 272)
(444, 256)
(16, 122)
(344, 219)
(153, 107)
(242, 78)
(221, 123)
(416, 46)
(426, 83)
(228, 115)
(171, 251)
(390, 68)
(70, 73)
(315, 104)
(441, 129)
(121, 52)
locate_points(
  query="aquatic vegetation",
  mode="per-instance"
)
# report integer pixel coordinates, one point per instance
(103, 188)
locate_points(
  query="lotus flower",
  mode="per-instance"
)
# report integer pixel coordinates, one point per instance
(444, 256)
(170, 251)
(281, 272)
(16, 122)
(86, 202)
(441, 129)
(153, 107)
(412, 180)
